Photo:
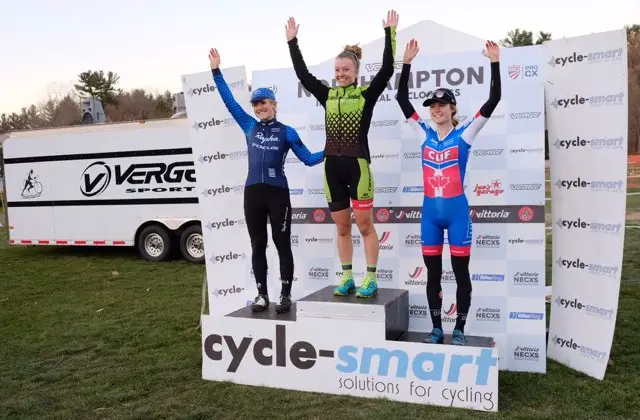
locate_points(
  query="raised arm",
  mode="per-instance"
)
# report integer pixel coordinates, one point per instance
(492, 51)
(301, 151)
(380, 80)
(318, 89)
(244, 120)
(402, 97)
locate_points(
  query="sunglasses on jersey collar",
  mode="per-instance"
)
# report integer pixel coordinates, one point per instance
(440, 95)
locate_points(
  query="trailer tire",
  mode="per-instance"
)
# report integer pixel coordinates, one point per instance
(154, 243)
(192, 244)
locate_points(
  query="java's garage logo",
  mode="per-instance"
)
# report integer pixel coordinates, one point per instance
(494, 188)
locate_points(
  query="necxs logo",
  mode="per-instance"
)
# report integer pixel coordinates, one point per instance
(594, 100)
(274, 350)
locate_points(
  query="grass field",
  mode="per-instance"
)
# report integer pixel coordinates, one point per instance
(98, 333)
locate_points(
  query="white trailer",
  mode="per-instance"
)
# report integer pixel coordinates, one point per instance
(124, 184)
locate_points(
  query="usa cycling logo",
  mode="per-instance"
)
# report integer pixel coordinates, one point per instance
(596, 185)
(520, 72)
(602, 56)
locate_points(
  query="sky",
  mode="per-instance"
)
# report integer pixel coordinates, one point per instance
(150, 44)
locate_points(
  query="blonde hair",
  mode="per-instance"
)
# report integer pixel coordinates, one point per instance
(353, 52)
(454, 120)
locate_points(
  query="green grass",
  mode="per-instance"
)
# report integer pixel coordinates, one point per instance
(98, 333)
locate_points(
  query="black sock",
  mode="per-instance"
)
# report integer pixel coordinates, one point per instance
(434, 288)
(460, 267)
(286, 287)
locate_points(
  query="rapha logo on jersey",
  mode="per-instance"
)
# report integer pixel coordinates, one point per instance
(611, 99)
(608, 270)
(590, 310)
(519, 72)
(222, 224)
(228, 257)
(614, 186)
(213, 122)
(222, 190)
(32, 187)
(594, 57)
(594, 227)
(221, 293)
(487, 152)
(524, 115)
(97, 177)
(597, 143)
(572, 344)
(494, 188)
(218, 156)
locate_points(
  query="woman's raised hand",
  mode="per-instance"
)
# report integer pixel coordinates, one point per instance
(392, 19)
(492, 51)
(291, 29)
(410, 51)
(214, 58)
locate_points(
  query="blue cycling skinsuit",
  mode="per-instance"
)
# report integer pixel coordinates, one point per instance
(445, 206)
(266, 191)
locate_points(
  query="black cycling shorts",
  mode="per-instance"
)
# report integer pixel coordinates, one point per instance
(348, 179)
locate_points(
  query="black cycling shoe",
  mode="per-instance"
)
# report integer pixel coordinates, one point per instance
(260, 303)
(284, 305)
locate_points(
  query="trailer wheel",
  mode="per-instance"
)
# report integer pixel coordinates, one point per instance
(154, 243)
(192, 244)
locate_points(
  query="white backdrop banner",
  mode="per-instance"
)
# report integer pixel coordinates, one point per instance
(504, 184)
(220, 153)
(587, 122)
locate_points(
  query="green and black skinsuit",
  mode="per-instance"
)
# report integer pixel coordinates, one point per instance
(348, 112)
